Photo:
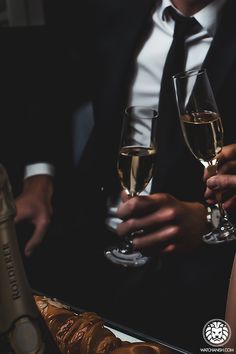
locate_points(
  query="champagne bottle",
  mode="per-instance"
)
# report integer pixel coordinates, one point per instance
(22, 329)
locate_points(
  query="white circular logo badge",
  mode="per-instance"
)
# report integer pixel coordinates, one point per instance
(216, 332)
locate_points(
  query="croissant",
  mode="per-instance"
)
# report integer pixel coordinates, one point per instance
(85, 333)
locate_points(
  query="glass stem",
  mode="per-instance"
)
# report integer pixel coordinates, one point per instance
(212, 170)
(223, 214)
(126, 245)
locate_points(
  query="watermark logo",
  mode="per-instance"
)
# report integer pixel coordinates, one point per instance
(216, 332)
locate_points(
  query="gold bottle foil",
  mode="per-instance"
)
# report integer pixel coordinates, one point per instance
(20, 320)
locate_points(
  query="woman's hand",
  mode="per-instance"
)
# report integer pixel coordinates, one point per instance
(225, 180)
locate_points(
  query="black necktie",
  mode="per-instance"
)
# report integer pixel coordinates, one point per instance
(170, 137)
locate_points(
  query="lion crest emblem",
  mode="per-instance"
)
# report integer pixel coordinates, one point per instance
(216, 332)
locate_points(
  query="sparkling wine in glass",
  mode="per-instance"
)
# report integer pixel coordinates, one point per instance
(203, 133)
(135, 166)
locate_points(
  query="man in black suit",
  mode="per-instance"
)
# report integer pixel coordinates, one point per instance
(175, 302)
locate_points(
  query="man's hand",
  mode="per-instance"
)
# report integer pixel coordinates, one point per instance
(167, 223)
(225, 180)
(34, 205)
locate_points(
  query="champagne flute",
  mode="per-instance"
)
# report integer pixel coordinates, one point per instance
(203, 133)
(135, 166)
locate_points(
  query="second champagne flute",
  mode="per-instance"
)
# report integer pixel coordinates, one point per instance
(203, 133)
(135, 165)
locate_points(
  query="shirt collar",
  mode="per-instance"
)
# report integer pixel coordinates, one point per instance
(208, 17)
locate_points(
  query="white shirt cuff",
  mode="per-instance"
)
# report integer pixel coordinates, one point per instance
(39, 169)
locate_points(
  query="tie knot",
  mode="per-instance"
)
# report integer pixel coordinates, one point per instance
(184, 25)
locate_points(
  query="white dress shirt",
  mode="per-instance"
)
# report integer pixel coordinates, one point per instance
(145, 88)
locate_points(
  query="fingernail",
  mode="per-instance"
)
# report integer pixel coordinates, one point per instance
(211, 183)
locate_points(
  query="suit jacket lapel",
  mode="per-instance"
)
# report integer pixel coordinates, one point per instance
(115, 53)
(222, 52)
(116, 50)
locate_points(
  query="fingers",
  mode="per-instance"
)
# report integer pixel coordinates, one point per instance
(142, 205)
(41, 227)
(209, 194)
(222, 182)
(156, 214)
(158, 238)
(34, 206)
(148, 222)
(227, 168)
(124, 196)
(209, 172)
(230, 203)
(159, 233)
(39, 216)
(228, 153)
(226, 162)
